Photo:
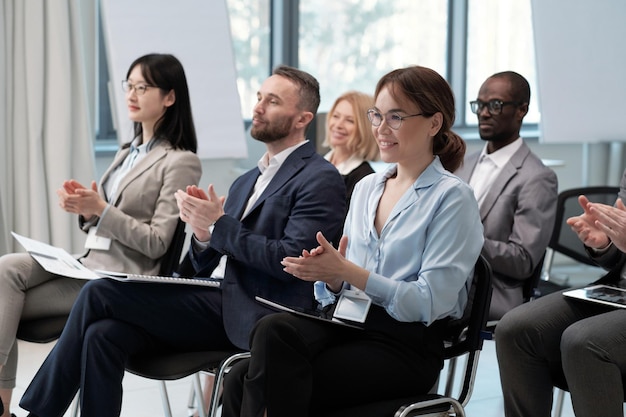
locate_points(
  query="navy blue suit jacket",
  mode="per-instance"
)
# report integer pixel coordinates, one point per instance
(307, 195)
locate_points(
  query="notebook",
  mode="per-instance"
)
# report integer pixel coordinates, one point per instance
(313, 314)
(204, 282)
(603, 294)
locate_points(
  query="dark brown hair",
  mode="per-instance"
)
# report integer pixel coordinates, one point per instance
(308, 86)
(432, 94)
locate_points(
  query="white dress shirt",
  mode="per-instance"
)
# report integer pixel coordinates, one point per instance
(489, 166)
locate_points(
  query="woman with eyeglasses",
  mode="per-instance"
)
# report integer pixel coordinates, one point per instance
(350, 139)
(129, 217)
(411, 239)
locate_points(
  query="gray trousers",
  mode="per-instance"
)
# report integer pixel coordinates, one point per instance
(27, 291)
(557, 339)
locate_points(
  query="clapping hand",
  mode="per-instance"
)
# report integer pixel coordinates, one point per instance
(322, 263)
(600, 224)
(612, 221)
(199, 209)
(78, 199)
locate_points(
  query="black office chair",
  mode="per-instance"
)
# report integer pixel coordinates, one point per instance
(563, 239)
(530, 291)
(169, 366)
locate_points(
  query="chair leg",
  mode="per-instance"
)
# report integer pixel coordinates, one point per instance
(219, 380)
(167, 410)
(191, 407)
(450, 378)
(75, 406)
(558, 405)
(202, 409)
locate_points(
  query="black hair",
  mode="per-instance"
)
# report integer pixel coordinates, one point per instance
(176, 125)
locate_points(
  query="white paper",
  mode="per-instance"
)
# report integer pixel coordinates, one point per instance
(55, 260)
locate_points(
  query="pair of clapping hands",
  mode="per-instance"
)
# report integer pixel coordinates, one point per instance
(600, 224)
(77, 199)
(202, 209)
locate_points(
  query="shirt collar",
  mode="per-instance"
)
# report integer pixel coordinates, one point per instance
(277, 160)
(502, 155)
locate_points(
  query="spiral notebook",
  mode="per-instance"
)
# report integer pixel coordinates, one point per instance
(603, 294)
(203, 282)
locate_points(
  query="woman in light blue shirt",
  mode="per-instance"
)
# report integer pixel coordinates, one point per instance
(411, 239)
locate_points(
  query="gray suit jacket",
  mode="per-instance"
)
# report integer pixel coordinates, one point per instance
(518, 216)
(141, 220)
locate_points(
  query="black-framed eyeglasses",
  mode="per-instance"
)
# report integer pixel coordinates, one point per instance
(140, 89)
(393, 119)
(494, 107)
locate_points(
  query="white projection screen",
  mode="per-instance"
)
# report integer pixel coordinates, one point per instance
(581, 69)
(197, 32)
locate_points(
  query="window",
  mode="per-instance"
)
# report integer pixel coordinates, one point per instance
(499, 38)
(349, 45)
(250, 30)
(104, 121)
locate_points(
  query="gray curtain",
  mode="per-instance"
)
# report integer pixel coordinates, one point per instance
(45, 118)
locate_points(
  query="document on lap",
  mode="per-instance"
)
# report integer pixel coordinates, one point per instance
(58, 261)
(55, 260)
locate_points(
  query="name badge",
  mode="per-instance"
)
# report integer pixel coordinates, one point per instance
(353, 305)
(97, 242)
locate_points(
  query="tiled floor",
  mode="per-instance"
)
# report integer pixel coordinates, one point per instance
(142, 397)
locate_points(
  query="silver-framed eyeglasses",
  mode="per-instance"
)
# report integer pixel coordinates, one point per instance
(393, 119)
(494, 107)
(140, 89)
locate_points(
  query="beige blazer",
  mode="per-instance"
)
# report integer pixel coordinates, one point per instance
(141, 220)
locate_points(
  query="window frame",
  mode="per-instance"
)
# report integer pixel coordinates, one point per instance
(284, 41)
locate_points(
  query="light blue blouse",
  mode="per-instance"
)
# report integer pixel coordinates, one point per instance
(422, 263)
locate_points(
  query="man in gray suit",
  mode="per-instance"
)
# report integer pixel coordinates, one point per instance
(516, 192)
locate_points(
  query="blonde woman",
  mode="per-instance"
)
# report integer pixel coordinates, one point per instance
(350, 139)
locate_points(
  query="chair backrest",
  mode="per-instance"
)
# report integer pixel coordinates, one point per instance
(530, 289)
(563, 239)
(171, 259)
(465, 336)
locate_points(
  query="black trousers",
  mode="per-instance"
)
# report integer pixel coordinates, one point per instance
(299, 366)
(110, 321)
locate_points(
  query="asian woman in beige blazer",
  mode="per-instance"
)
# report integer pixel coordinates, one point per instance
(129, 217)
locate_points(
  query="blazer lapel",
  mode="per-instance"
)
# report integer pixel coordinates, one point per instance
(236, 204)
(119, 158)
(155, 154)
(292, 165)
(469, 165)
(508, 171)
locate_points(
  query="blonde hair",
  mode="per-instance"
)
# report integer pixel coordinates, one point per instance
(362, 143)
